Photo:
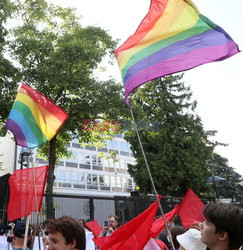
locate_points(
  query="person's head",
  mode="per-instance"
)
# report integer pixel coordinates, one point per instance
(113, 221)
(65, 233)
(164, 237)
(18, 234)
(191, 240)
(19, 229)
(223, 226)
(176, 230)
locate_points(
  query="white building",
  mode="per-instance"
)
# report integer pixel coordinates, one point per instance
(88, 186)
(7, 154)
(87, 173)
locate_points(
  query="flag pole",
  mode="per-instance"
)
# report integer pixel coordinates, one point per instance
(36, 208)
(26, 231)
(151, 178)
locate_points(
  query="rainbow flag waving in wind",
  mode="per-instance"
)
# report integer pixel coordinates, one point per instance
(173, 37)
(34, 119)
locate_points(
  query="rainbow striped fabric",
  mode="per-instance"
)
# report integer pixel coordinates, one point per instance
(34, 119)
(172, 37)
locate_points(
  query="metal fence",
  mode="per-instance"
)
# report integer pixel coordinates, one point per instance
(99, 208)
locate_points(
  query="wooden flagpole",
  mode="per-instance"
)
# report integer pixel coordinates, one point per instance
(26, 231)
(36, 208)
(151, 179)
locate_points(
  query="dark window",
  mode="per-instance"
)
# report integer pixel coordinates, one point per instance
(85, 166)
(76, 145)
(97, 168)
(80, 186)
(124, 153)
(110, 169)
(62, 184)
(102, 150)
(92, 187)
(90, 148)
(104, 188)
(71, 164)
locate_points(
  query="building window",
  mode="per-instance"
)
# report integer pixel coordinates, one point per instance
(63, 177)
(118, 181)
(87, 159)
(115, 145)
(111, 163)
(71, 164)
(98, 161)
(80, 157)
(113, 181)
(127, 183)
(94, 160)
(92, 181)
(76, 145)
(90, 148)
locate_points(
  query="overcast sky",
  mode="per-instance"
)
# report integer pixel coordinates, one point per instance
(217, 87)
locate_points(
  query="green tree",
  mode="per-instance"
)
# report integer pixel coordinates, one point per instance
(8, 73)
(57, 56)
(230, 187)
(176, 146)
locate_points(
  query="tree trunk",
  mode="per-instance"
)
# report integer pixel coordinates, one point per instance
(50, 179)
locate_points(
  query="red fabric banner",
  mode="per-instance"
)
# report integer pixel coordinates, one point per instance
(190, 209)
(94, 227)
(25, 184)
(159, 224)
(133, 235)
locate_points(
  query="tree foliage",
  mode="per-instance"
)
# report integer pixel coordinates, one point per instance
(8, 73)
(57, 56)
(230, 187)
(175, 143)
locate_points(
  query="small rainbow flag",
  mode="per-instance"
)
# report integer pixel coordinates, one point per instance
(34, 119)
(172, 37)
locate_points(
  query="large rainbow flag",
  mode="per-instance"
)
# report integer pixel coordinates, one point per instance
(172, 37)
(34, 119)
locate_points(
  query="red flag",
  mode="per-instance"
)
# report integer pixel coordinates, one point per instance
(190, 209)
(161, 244)
(159, 224)
(94, 227)
(133, 235)
(22, 192)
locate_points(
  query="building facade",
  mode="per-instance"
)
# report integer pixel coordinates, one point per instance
(86, 172)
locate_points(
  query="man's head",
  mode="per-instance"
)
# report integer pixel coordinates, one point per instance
(19, 229)
(113, 221)
(65, 233)
(223, 226)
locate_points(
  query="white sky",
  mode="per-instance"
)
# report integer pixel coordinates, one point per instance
(217, 87)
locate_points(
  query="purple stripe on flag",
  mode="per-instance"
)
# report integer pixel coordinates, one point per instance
(15, 129)
(180, 63)
(206, 39)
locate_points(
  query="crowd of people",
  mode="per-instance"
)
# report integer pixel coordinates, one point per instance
(221, 230)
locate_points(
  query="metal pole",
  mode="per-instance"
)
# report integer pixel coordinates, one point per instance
(151, 179)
